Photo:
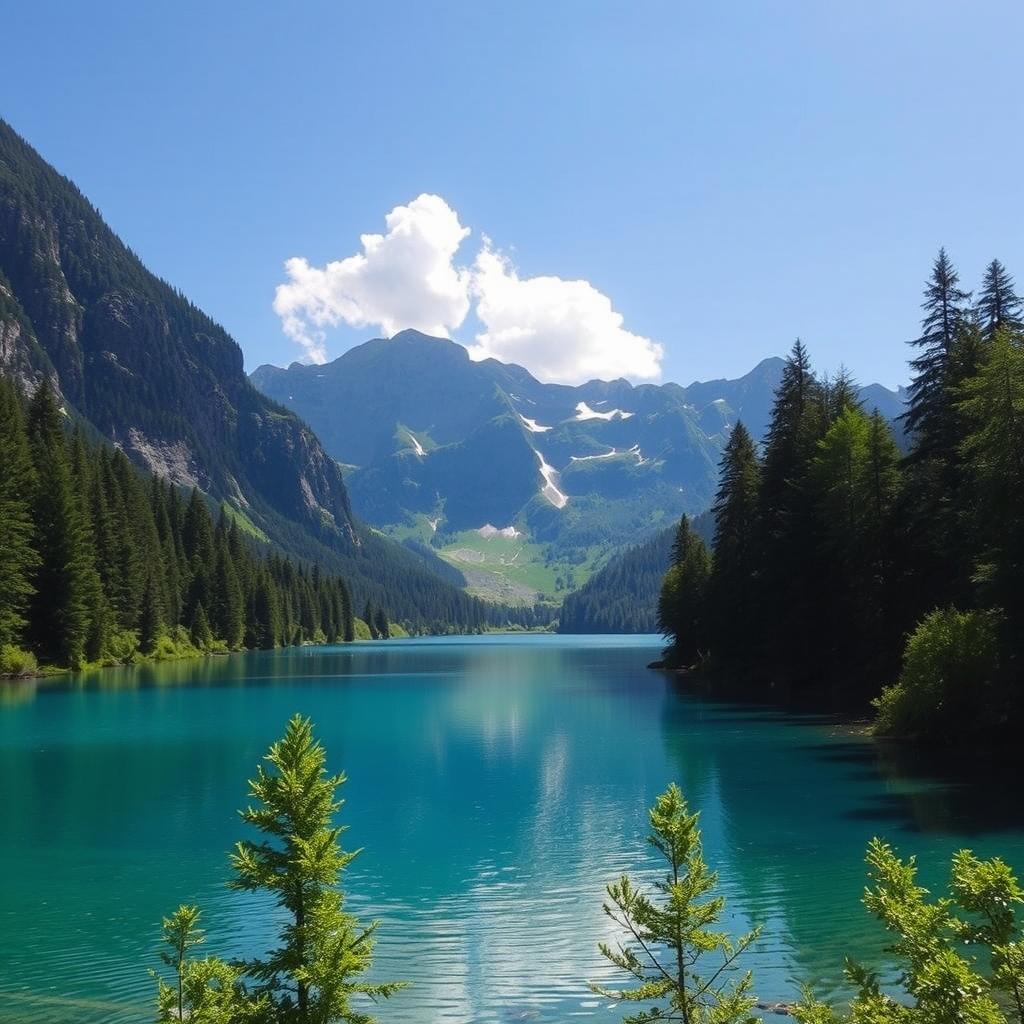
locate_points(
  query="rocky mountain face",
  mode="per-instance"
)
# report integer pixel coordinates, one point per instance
(425, 430)
(140, 363)
(155, 375)
(437, 446)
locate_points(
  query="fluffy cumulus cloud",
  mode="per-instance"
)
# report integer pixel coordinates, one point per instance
(563, 331)
(403, 278)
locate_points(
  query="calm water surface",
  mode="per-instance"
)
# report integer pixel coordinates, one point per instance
(496, 785)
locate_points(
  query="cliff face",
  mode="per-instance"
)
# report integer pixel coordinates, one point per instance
(145, 367)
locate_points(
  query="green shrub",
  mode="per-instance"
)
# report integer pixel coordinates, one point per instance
(960, 957)
(122, 645)
(362, 630)
(16, 662)
(949, 684)
(177, 644)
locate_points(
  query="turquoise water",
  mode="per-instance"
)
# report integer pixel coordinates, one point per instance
(496, 784)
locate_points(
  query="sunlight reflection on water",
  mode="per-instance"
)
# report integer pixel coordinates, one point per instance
(497, 785)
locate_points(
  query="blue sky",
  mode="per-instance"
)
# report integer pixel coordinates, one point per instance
(726, 176)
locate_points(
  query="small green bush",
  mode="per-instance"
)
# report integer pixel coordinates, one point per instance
(362, 630)
(121, 646)
(178, 644)
(16, 662)
(950, 678)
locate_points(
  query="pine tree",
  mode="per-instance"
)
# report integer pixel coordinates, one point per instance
(322, 951)
(18, 556)
(792, 577)
(936, 513)
(370, 620)
(959, 957)
(265, 620)
(229, 601)
(206, 991)
(998, 307)
(884, 484)
(59, 613)
(993, 406)
(199, 630)
(797, 422)
(345, 612)
(736, 549)
(682, 604)
(381, 625)
(152, 624)
(839, 394)
(181, 933)
(929, 418)
(669, 934)
(855, 480)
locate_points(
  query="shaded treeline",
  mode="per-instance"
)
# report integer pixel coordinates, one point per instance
(622, 597)
(100, 562)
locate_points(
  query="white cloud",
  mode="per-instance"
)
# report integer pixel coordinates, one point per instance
(404, 278)
(560, 330)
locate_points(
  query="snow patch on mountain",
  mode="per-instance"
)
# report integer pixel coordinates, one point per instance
(589, 458)
(509, 532)
(550, 489)
(584, 412)
(532, 425)
(634, 451)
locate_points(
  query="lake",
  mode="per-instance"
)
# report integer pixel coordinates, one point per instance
(496, 784)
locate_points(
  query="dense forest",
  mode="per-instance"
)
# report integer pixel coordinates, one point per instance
(102, 563)
(622, 596)
(841, 565)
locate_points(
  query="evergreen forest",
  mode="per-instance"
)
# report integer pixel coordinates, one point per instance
(843, 569)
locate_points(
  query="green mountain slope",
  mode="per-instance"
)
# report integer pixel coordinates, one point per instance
(443, 449)
(623, 596)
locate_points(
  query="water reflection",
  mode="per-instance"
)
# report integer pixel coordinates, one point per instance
(497, 786)
(804, 794)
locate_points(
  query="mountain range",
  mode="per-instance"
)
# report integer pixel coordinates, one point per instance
(526, 487)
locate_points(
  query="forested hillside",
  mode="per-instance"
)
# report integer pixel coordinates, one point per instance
(622, 597)
(836, 558)
(157, 377)
(101, 562)
(438, 446)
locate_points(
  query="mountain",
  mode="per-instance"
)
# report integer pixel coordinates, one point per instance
(149, 371)
(526, 487)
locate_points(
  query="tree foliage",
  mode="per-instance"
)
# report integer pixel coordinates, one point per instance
(842, 564)
(100, 562)
(314, 975)
(676, 960)
(961, 956)
(683, 601)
